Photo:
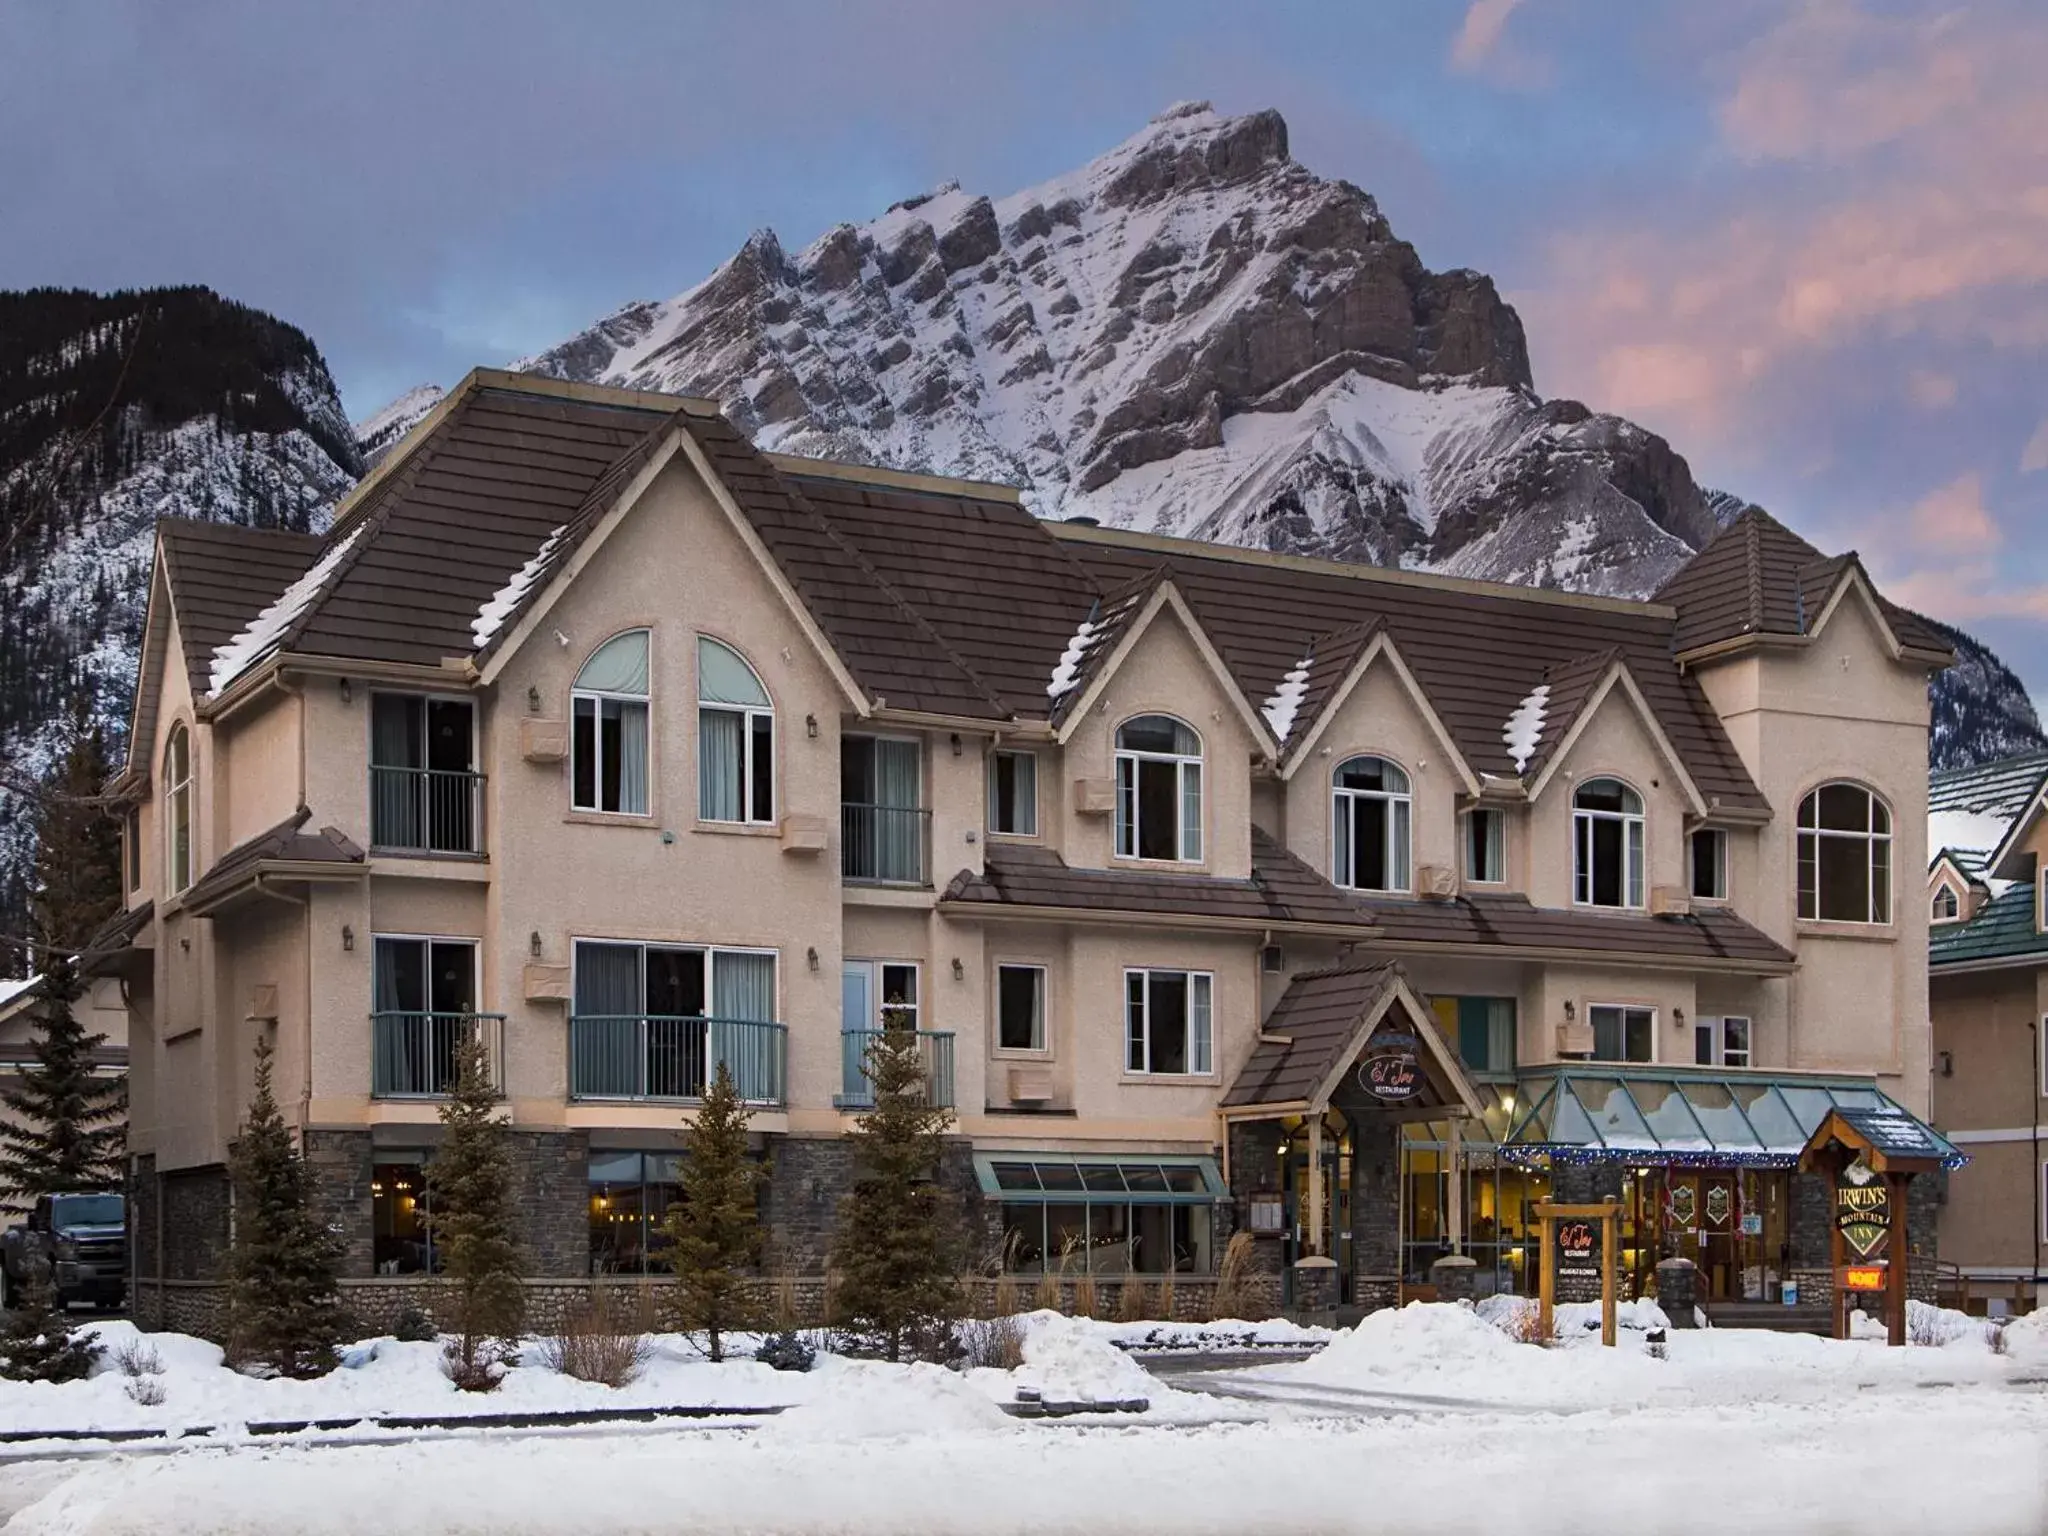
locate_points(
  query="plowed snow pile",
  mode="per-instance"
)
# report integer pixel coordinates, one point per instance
(1069, 1361)
(864, 1400)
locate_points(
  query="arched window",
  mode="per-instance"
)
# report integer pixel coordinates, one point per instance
(1372, 819)
(1946, 907)
(1845, 856)
(609, 750)
(1607, 845)
(178, 809)
(735, 738)
(1158, 790)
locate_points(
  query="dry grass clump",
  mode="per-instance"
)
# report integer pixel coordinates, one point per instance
(1132, 1301)
(1233, 1298)
(600, 1339)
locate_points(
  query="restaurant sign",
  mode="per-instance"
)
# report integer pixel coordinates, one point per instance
(1578, 1249)
(1863, 1210)
(1863, 1277)
(1388, 1071)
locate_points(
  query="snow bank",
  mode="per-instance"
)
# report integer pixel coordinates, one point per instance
(866, 1400)
(1420, 1339)
(1928, 1325)
(2026, 1339)
(1069, 1360)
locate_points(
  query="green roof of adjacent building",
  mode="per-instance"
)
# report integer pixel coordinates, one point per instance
(2002, 929)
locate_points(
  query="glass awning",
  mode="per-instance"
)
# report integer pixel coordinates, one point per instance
(1602, 1113)
(1057, 1178)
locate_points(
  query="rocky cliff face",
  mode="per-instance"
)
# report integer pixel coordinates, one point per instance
(115, 410)
(1193, 334)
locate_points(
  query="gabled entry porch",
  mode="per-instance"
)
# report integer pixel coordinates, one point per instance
(1348, 1056)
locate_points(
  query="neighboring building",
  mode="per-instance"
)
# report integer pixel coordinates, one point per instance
(1988, 983)
(1226, 891)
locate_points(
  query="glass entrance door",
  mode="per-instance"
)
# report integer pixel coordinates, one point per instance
(1335, 1215)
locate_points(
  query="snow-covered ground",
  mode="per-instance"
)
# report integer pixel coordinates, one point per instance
(1731, 1431)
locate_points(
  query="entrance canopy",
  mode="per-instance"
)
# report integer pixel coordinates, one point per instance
(1679, 1117)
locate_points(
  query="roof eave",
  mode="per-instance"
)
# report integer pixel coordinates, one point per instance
(1630, 958)
(1141, 918)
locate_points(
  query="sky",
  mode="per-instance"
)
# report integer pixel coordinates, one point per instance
(1806, 240)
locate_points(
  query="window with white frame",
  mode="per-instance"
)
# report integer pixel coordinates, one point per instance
(654, 1021)
(1707, 852)
(1607, 844)
(178, 809)
(1167, 1022)
(2041, 1040)
(1845, 856)
(735, 738)
(1020, 1007)
(1947, 906)
(879, 994)
(1721, 1042)
(1622, 1033)
(1373, 810)
(1486, 845)
(1158, 790)
(608, 746)
(1013, 793)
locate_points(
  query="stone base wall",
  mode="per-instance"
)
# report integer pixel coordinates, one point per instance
(809, 1177)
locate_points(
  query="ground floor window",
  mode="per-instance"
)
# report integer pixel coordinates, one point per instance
(1104, 1216)
(401, 1243)
(630, 1195)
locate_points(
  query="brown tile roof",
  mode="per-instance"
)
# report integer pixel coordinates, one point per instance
(1571, 685)
(287, 842)
(1710, 935)
(1309, 1031)
(1282, 890)
(1758, 577)
(221, 577)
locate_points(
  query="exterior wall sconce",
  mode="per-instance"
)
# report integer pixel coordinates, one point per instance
(811, 726)
(533, 943)
(1571, 1009)
(348, 937)
(532, 700)
(348, 691)
(959, 970)
(1678, 1017)
(1948, 1062)
(811, 957)
(956, 743)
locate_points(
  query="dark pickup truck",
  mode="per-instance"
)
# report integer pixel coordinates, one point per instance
(80, 1241)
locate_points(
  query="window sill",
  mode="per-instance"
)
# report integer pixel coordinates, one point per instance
(1596, 908)
(1863, 933)
(1039, 1055)
(1015, 837)
(1170, 1079)
(645, 823)
(1164, 866)
(738, 828)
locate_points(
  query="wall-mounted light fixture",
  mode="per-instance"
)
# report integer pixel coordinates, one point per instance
(348, 691)
(1948, 1062)
(956, 743)
(959, 970)
(1571, 1009)
(1678, 1017)
(532, 701)
(533, 943)
(811, 957)
(811, 726)
(348, 937)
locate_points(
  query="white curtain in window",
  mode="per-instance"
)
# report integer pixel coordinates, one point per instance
(617, 666)
(609, 1002)
(743, 986)
(633, 759)
(899, 830)
(1635, 863)
(1199, 1029)
(718, 765)
(1397, 846)
(723, 678)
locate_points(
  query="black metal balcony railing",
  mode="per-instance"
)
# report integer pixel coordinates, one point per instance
(631, 1056)
(414, 1055)
(885, 844)
(426, 810)
(856, 1091)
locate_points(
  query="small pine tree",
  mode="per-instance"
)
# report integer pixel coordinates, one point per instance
(37, 1341)
(896, 1248)
(286, 1313)
(713, 1234)
(470, 1218)
(65, 1131)
(77, 878)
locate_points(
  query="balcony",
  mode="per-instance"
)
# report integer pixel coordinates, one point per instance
(856, 1092)
(413, 1055)
(426, 810)
(672, 1060)
(885, 844)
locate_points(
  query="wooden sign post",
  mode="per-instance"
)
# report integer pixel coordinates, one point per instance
(1568, 1242)
(1869, 1159)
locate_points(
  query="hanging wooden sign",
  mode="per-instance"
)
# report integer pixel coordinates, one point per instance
(1719, 1205)
(1863, 1210)
(1389, 1072)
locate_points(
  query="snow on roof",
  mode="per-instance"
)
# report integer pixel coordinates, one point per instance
(1965, 831)
(1525, 726)
(234, 658)
(494, 612)
(10, 990)
(1068, 672)
(1280, 709)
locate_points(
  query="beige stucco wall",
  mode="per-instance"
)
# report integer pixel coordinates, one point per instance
(1614, 743)
(257, 767)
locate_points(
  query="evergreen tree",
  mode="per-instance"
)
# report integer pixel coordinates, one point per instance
(77, 881)
(286, 1312)
(65, 1132)
(713, 1234)
(38, 1341)
(896, 1249)
(470, 1215)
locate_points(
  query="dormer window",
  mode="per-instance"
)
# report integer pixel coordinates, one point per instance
(1607, 845)
(735, 738)
(1845, 856)
(1373, 811)
(178, 809)
(609, 749)
(1947, 908)
(1158, 790)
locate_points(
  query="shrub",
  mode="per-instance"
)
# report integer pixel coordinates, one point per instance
(1005, 1301)
(38, 1342)
(138, 1358)
(597, 1342)
(1046, 1294)
(1166, 1297)
(471, 1221)
(1132, 1302)
(995, 1342)
(412, 1326)
(1087, 1302)
(1233, 1297)
(786, 1350)
(148, 1391)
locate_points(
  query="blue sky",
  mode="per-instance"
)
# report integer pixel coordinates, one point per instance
(1807, 240)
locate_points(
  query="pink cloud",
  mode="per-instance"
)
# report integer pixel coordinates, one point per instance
(1953, 516)
(1930, 389)
(1480, 34)
(1963, 594)
(2035, 455)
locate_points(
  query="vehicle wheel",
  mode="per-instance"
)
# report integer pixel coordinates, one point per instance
(3, 1290)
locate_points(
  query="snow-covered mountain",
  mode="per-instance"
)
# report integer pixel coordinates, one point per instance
(116, 410)
(1193, 334)
(380, 431)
